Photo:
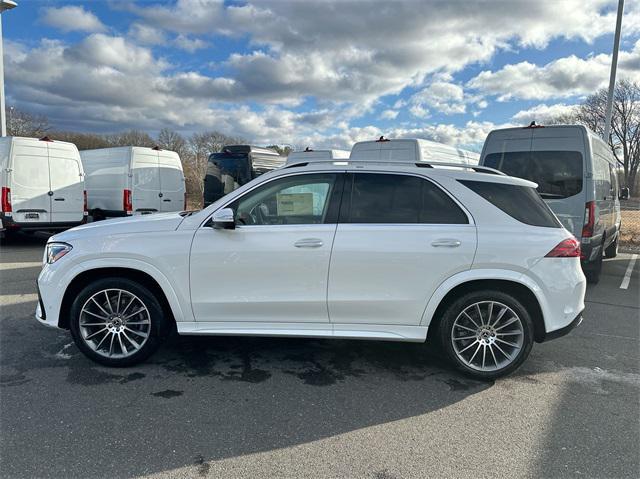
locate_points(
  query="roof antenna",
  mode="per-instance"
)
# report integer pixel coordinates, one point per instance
(382, 138)
(307, 149)
(46, 138)
(156, 148)
(533, 124)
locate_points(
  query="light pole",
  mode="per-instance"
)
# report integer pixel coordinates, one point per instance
(612, 77)
(4, 5)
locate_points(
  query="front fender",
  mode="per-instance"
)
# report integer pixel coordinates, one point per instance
(481, 274)
(180, 307)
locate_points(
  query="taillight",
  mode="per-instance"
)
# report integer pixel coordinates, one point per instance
(569, 248)
(126, 202)
(86, 203)
(185, 202)
(6, 200)
(589, 219)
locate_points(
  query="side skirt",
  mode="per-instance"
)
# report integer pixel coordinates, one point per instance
(388, 332)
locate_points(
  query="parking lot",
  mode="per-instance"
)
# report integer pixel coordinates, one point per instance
(259, 407)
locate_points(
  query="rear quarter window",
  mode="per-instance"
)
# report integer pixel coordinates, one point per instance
(522, 203)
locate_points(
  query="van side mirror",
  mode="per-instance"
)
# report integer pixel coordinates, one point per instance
(224, 219)
(624, 193)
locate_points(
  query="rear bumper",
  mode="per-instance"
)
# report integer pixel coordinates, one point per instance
(591, 248)
(10, 225)
(558, 333)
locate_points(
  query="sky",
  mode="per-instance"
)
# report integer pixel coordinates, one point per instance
(319, 73)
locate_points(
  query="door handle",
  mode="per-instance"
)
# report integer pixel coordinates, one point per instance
(308, 243)
(58, 199)
(446, 243)
(166, 200)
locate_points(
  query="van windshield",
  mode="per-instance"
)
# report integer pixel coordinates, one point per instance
(557, 173)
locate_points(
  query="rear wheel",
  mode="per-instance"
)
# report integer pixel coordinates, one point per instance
(117, 322)
(486, 334)
(612, 249)
(593, 269)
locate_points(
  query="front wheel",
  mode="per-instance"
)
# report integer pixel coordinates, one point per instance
(117, 322)
(486, 334)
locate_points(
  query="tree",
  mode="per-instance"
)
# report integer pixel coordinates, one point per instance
(172, 140)
(624, 138)
(21, 123)
(283, 151)
(130, 138)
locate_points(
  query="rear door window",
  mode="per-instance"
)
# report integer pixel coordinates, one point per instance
(520, 202)
(398, 199)
(558, 173)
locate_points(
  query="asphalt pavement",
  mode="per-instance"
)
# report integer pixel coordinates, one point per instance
(259, 407)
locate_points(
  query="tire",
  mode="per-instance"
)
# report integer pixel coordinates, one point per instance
(593, 269)
(139, 335)
(612, 249)
(498, 333)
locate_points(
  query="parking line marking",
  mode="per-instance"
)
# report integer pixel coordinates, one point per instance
(627, 274)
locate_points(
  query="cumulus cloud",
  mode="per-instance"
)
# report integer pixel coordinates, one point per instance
(72, 18)
(561, 78)
(326, 54)
(542, 113)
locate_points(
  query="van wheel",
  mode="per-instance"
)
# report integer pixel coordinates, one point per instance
(612, 249)
(593, 269)
(486, 334)
(117, 322)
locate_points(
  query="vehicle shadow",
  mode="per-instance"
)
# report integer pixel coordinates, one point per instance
(200, 399)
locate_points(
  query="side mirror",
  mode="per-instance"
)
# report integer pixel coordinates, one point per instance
(624, 193)
(224, 219)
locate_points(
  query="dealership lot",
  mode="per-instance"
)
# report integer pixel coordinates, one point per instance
(234, 407)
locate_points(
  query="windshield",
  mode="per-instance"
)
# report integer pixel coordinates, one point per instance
(557, 173)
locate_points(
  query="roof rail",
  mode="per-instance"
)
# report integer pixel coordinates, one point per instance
(421, 164)
(479, 169)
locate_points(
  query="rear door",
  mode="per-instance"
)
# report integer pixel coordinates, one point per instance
(67, 183)
(172, 187)
(146, 194)
(398, 237)
(29, 182)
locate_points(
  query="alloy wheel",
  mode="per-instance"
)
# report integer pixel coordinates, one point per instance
(115, 323)
(487, 336)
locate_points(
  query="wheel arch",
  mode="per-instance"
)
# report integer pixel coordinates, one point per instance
(447, 293)
(83, 278)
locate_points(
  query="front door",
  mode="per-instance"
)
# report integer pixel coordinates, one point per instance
(273, 266)
(398, 238)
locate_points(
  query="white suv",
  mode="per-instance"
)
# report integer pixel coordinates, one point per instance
(465, 256)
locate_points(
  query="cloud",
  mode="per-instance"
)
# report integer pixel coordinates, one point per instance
(72, 18)
(389, 115)
(146, 34)
(189, 44)
(562, 78)
(542, 113)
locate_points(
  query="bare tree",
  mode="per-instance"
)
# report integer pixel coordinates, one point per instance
(172, 140)
(21, 123)
(130, 138)
(624, 138)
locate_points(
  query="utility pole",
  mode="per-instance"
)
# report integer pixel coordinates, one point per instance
(4, 5)
(612, 78)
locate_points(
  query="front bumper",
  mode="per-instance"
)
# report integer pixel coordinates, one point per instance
(558, 333)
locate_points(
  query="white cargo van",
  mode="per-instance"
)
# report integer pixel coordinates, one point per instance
(576, 175)
(316, 155)
(42, 185)
(411, 149)
(133, 180)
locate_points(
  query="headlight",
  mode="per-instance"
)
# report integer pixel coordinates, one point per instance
(55, 251)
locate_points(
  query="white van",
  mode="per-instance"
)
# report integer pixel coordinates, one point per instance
(411, 149)
(310, 155)
(133, 180)
(576, 175)
(42, 185)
